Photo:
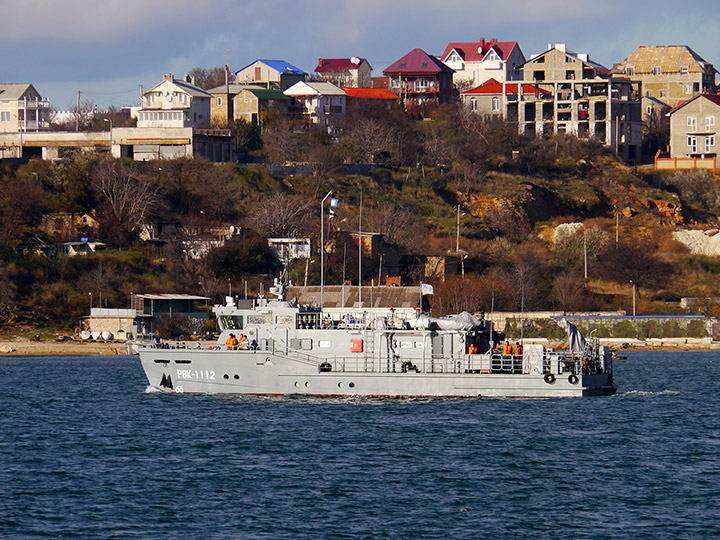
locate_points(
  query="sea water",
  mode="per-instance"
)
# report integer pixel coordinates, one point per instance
(87, 452)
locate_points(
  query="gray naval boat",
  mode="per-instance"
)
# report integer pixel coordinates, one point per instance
(302, 350)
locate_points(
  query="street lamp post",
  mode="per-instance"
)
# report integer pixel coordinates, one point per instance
(322, 249)
(633, 286)
(90, 294)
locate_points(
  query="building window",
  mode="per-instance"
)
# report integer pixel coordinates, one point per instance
(648, 110)
(692, 124)
(422, 82)
(709, 143)
(630, 71)
(395, 83)
(473, 104)
(495, 104)
(657, 70)
(688, 88)
(5, 116)
(692, 143)
(684, 70)
(662, 93)
(709, 122)
(219, 101)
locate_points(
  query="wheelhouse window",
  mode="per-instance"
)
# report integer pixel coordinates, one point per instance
(284, 320)
(259, 319)
(231, 322)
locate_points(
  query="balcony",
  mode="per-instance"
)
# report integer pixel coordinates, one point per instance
(42, 103)
(33, 125)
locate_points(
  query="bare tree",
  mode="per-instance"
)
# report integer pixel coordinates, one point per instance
(323, 159)
(370, 137)
(398, 225)
(207, 78)
(127, 197)
(283, 140)
(281, 216)
(569, 291)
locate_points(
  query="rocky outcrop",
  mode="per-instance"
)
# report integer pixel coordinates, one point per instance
(699, 242)
(670, 210)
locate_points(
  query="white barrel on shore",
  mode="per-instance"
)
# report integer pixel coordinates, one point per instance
(85, 335)
(106, 335)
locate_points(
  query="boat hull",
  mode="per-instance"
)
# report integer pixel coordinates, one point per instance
(270, 373)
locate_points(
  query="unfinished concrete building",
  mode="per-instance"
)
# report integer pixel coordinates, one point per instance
(669, 73)
(574, 95)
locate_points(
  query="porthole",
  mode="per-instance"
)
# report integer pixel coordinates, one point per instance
(307, 384)
(297, 384)
(237, 376)
(340, 385)
(226, 376)
(351, 385)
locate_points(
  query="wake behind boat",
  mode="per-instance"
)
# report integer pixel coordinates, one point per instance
(292, 349)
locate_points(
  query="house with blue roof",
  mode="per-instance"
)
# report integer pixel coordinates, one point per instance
(276, 74)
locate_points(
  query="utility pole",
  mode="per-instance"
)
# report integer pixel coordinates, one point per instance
(77, 113)
(585, 249)
(457, 233)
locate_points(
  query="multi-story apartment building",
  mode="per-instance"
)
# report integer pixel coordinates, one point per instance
(571, 94)
(22, 109)
(345, 72)
(477, 62)
(175, 103)
(418, 77)
(669, 73)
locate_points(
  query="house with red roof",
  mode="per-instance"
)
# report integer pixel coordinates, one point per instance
(491, 97)
(694, 127)
(357, 97)
(478, 61)
(419, 77)
(345, 72)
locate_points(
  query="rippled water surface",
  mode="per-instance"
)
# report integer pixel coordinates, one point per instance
(86, 452)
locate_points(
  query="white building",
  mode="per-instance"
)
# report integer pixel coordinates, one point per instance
(22, 109)
(175, 103)
(321, 102)
(477, 62)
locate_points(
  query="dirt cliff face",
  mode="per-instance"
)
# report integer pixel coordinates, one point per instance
(533, 203)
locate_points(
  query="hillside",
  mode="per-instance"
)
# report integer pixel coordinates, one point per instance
(524, 211)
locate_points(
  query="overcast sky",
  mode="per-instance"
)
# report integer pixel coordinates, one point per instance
(108, 48)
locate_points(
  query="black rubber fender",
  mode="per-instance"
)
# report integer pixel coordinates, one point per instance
(549, 378)
(573, 379)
